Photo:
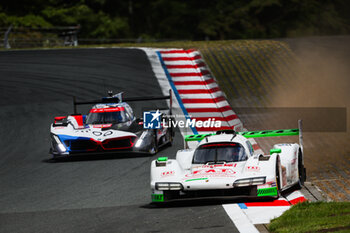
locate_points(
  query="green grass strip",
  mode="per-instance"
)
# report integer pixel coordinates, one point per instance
(314, 217)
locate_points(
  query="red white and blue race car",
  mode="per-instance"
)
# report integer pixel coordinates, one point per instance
(225, 164)
(109, 127)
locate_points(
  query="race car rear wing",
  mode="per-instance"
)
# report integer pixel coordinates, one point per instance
(115, 99)
(255, 134)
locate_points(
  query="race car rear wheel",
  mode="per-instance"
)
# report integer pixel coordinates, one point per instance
(301, 170)
(171, 129)
(278, 176)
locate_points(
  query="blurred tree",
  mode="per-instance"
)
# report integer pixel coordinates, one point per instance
(177, 19)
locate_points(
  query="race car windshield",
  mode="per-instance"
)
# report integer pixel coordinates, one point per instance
(219, 152)
(106, 117)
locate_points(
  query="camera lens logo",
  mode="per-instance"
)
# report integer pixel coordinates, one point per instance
(151, 120)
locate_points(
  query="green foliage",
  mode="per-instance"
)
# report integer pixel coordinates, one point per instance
(67, 16)
(94, 24)
(176, 19)
(29, 20)
(110, 27)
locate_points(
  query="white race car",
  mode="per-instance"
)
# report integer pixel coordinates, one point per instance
(224, 164)
(109, 127)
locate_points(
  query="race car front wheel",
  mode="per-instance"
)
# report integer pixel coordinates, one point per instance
(278, 176)
(169, 137)
(154, 147)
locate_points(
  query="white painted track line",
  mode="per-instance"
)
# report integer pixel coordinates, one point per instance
(241, 221)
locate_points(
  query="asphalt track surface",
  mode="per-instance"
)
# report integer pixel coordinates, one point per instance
(93, 194)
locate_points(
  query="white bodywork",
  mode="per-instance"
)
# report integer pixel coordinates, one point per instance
(94, 132)
(197, 177)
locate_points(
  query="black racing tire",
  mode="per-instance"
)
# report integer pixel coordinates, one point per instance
(169, 137)
(154, 148)
(278, 177)
(301, 171)
(172, 129)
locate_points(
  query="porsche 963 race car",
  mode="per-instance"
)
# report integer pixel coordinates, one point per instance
(109, 127)
(224, 164)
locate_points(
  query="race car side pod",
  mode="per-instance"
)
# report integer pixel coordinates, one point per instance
(255, 134)
(130, 99)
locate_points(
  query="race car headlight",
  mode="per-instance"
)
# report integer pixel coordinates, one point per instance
(249, 181)
(138, 143)
(140, 140)
(168, 186)
(60, 146)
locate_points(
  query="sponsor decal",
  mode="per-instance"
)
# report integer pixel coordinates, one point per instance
(253, 168)
(214, 172)
(99, 110)
(167, 173)
(218, 165)
(108, 133)
(96, 133)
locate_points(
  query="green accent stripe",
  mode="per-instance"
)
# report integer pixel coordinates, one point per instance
(157, 197)
(250, 134)
(196, 179)
(197, 137)
(267, 192)
(269, 133)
